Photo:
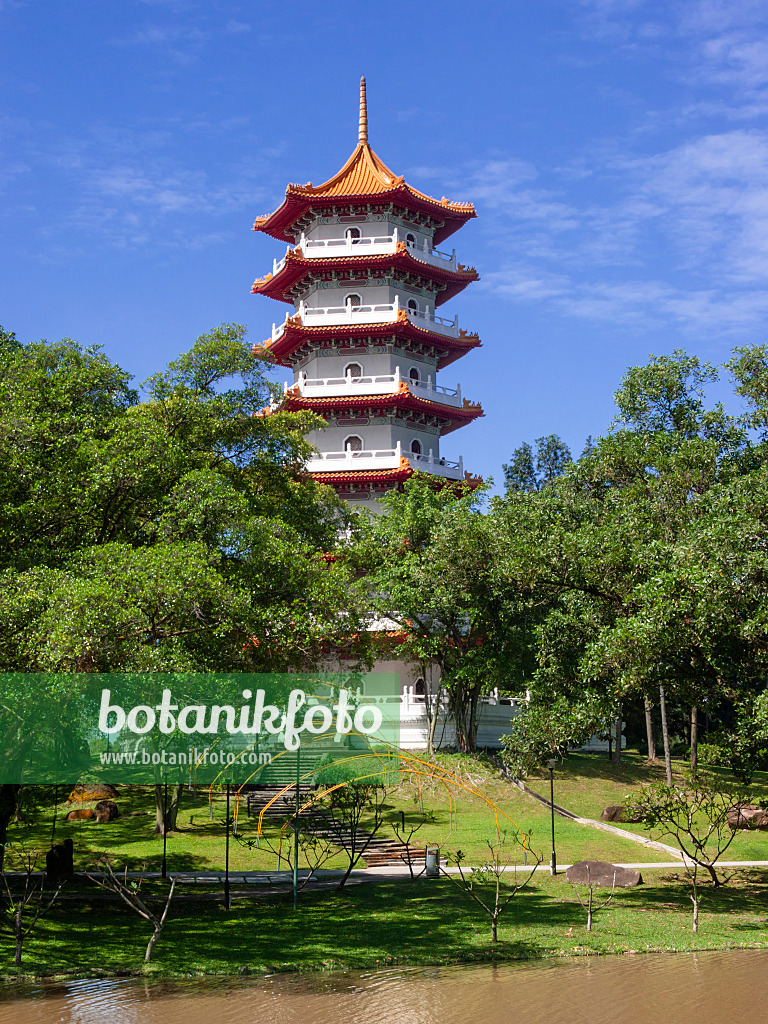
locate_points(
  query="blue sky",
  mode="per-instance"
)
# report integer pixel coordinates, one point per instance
(616, 151)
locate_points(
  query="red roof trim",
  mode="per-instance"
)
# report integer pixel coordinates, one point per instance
(403, 399)
(297, 265)
(295, 334)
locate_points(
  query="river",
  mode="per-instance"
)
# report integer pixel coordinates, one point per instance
(673, 988)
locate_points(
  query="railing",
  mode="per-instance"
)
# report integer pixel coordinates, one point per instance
(382, 384)
(384, 458)
(371, 245)
(383, 313)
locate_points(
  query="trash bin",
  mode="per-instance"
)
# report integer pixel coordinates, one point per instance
(432, 861)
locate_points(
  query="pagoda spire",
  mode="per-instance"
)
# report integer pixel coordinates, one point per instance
(362, 135)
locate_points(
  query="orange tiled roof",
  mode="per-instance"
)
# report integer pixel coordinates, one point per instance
(295, 334)
(296, 265)
(403, 398)
(366, 476)
(363, 176)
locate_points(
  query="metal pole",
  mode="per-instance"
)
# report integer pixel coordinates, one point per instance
(227, 898)
(296, 833)
(164, 869)
(552, 807)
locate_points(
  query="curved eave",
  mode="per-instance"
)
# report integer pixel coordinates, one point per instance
(361, 478)
(300, 199)
(387, 478)
(296, 334)
(453, 417)
(296, 266)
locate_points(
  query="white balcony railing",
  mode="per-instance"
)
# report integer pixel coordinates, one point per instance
(381, 313)
(375, 245)
(382, 384)
(372, 245)
(384, 458)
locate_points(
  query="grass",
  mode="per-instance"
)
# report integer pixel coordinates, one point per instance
(398, 922)
(384, 924)
(583, 783)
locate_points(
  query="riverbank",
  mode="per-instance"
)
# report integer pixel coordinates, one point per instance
(388, 923)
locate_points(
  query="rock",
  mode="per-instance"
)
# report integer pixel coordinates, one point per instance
(615, 812)
(747, 816)
(92, 791)
(81, 814)
(601, 873)
(59, 862)
(106, 810)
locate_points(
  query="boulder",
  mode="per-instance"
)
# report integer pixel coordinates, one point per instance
(106, 810)
(81, 814)
(600, 873)
(615, 812)
(747, 816)
(92, 791)
(59, 861)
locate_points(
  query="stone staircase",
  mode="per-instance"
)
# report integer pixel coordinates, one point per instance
(379, 852)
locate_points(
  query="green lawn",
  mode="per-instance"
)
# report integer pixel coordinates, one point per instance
(199, 842)
(376, 925)
(462, 816)
(398, 922)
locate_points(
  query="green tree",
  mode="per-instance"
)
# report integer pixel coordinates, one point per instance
(175, 533)
(694, 814)
(429, 568)
(524, 473)
(583, 552)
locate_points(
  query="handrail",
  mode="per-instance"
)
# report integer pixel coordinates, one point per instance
(357, 314)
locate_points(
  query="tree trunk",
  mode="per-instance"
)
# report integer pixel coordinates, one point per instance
(665, 735)
(695, 902)
(8, 794)
(152, 943)
(694, 738)
(432, 700)
(649, 730)
(589, 911)
(494, 927)
(174, 799)
(617, 747)
(19, 944)
(610, 743)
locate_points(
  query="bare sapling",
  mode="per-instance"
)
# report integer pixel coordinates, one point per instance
(588, 903)
(128, 889)
(26, 903)
(488, 885)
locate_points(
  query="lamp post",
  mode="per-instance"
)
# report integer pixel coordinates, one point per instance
(552, 762)
(227, 897)
(296, 830)
(164, 867)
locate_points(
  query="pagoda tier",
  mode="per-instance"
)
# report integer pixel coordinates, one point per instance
(371, 485)
(294, 340)
(441, 410)
(363, 185)
(365, 343)
(296, 273)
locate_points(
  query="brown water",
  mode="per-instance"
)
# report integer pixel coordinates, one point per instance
(694, 988)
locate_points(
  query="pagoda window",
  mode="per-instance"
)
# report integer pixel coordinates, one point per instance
(353, 370)
(353, 443)
(415, 447)
(410, 238)
(414, 375)
(413, 306)
(419, 690)
(353, 235)
(353, 302)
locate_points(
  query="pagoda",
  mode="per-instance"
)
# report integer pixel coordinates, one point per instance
(363, 338)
